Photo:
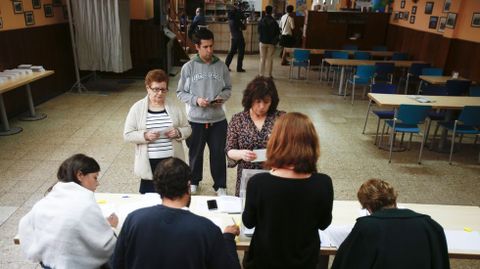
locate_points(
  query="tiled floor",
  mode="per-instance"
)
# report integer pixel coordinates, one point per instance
(93, 124)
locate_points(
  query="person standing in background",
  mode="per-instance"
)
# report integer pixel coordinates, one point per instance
(269, 32)
(287, 25)
(198, 21)
(236, 22)
(204, 86)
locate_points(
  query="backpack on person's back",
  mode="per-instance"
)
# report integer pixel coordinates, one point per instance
(269, 31)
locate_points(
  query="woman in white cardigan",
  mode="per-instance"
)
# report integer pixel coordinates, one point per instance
(156, 127)
(66, 229)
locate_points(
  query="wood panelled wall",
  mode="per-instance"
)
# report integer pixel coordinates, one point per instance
(449, 54)
(332, 30)
(147, 45)
(49, 46)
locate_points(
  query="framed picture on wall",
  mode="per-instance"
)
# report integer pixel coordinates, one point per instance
(36, 4)
(29, 19)
(451, 20)
(57, 3)
(476, 20)
(441, 24)
(429, 7)
(405, 15)
(402, 4)
(432, 23)
(17, 7)
(396, 15)
(48, 9)
(400, 15)
(446, 6)
(412, 19)
(414, 10)
(1, 23)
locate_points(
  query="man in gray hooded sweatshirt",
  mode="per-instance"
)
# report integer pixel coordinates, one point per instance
(204, 86)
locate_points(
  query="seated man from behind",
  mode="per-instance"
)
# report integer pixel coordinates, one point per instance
(170, 236)
(391, 237)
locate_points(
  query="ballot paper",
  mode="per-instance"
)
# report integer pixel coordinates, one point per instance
(261, 155)
(229, 204)
(462, 240)
(334, 235)
(248, 232)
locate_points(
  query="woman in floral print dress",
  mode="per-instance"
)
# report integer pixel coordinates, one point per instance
(251, 128)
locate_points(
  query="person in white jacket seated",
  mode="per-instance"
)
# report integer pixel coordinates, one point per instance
(66, 228)
(156, 127)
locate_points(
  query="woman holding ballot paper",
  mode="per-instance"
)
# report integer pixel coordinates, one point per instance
(249, 130)
(288, 205)
(156, 127)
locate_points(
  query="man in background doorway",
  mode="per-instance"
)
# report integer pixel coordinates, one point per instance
(236, 22)
(287, 25)
(268, 31)
(197, 23)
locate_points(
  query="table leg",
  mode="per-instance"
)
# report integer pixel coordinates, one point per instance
(340, 84)
(31, 114)
(5, 129)
(323, 262)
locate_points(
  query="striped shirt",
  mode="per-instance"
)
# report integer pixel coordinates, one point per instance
(162, 147)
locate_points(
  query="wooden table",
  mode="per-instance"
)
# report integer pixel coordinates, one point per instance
(374, 53)
(452, 218)
(13, 84)
(352, 62)
(438, 80)
(438, 102)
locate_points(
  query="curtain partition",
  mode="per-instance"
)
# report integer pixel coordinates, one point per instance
(102, 34)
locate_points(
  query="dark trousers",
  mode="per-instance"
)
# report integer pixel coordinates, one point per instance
(237, 44)
(215, 136)
(146, 185)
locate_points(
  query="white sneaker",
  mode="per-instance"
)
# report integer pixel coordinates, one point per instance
(193, 189)
(221, 192)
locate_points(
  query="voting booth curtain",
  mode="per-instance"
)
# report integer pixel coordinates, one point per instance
(102, 34)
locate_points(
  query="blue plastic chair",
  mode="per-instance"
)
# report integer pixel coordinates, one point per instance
(467, 124)
(457, 87)
(434, 114)
(432, 71)
(326, 55)
(362, 55)
(350, 47)
(475, 91)
(429, 71)
(337, 55)
(363, 76)
(406, 120)
(400, 56)
(300, 58)
(384, 71)
(340, 55)
(379, 48)
(383, 88)
(414, 71)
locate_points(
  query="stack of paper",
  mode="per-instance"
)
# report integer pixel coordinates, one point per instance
(37, 68)
(24, 66)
